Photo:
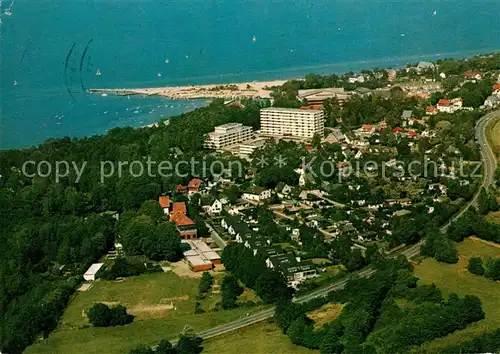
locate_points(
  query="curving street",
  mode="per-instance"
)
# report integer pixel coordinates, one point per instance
(489, 163)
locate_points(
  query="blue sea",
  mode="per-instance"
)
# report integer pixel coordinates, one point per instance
(52, 49)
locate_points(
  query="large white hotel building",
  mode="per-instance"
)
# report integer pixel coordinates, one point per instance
(302, 123)
(227, 135)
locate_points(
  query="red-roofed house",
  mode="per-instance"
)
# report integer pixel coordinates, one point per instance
(181, 189)
(431, 110)
(185, 226)
(368, 128)
(412, 134)
(473, 75)
(194, 185)
(449, 106)
(398, 130)
(382, 125)
(165, 203)
(496, 89)
(179, 207)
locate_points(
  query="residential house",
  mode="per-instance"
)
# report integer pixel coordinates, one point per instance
(283, 190)
(473, 75)
(496, 89)
(194, 186)
(256, 193)
(165, 204)
(215, 208)
(181, 189)
(185, 226)
(431, 111)
(367, 129)
(492, 101)
(424, 65)
(450, 106)
(291, 268)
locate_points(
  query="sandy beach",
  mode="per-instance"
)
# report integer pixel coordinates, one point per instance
(228, 91)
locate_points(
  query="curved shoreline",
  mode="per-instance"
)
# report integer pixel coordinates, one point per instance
(254, 89)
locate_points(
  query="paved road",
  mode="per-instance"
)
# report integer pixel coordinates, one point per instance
(489, 161)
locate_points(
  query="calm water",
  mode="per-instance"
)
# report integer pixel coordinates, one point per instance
(53, 48)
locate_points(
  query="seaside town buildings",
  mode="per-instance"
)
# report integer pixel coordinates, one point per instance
(300, 123)
(318, 96)
(227, 135)
(177, 212)
(449, 106)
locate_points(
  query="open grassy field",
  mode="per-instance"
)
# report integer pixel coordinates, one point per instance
(456, 278)
(146, 296)
(493, 216)
(261, 338)
(163, 305)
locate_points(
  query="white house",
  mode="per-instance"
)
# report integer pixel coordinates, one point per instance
(215, 207)
(450, 106)
(492, 101)
(257, 193)
(92, 271)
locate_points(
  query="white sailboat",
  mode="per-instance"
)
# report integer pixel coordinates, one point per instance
(159, 74)
(15, 83)
(167, 61)
(254, 39)
(98, 73)
(434, 13)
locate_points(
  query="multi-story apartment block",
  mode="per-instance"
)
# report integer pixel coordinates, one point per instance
(227, 135)
(302, 123)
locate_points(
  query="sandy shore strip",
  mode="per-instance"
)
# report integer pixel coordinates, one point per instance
(255, 89)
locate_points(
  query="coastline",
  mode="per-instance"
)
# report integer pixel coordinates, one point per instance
(251, 89)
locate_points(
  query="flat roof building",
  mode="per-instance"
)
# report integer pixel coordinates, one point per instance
(92, 271)
(318, 96)
(227, 135)
(201, 257)
(282, 122)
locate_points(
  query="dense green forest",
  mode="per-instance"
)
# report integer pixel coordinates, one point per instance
(52, 232)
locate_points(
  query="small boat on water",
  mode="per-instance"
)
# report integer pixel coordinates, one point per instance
(15, 83)
(167, 61)
(254, 39)
(104, 94)
(7, 12)
(98, 73)
(434, 13)
(159, 74)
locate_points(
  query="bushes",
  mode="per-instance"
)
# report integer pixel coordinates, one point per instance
(440, 247)
(124, 267)
(206, 282)
(484, 343)
(252, 271)
(476, 266)
(188, 343)
(100, 315)
(230, 290)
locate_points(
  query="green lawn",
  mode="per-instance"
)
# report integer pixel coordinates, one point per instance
(149, 295)
(262, 338)
(163, 304)
(456, 278)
